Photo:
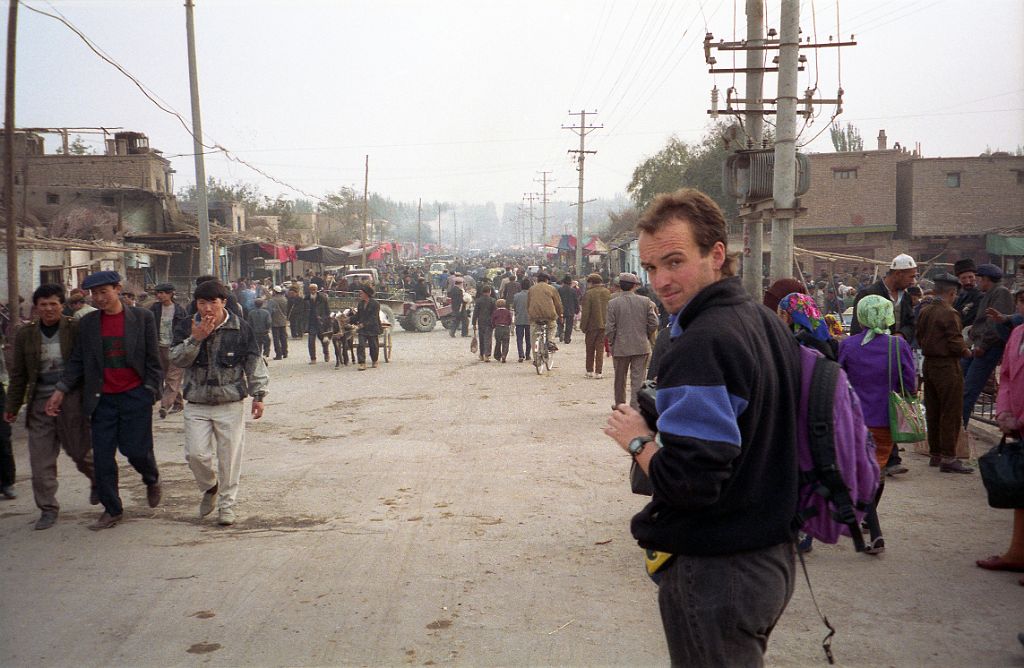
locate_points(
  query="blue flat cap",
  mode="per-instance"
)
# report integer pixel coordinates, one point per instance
(990, 270)
(96, 279)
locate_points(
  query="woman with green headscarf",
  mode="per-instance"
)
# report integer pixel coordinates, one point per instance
(874, 361)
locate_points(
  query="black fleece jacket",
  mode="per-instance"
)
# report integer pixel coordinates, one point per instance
(725, 480)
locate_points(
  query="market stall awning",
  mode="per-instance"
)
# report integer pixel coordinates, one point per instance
(1002, 244)
(323, 255)
(595, 245)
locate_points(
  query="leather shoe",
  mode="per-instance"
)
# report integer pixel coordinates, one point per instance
(209, 501)
(106, 521)
(153, 493)
(94, 496)
(46, 520)
(954, 466)
(226, 517)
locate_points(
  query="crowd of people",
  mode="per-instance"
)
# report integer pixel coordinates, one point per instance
(721, 457)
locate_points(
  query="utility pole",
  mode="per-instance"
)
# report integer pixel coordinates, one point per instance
(438, 229)
(784, 183)
(581, 155)
(419, 226)
(753, 225)
(530, 197)
(202, 205)
(13, 309)
(366, 206)
(455, 230)
(544, 219)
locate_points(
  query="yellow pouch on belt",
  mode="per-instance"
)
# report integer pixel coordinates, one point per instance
(655, 561)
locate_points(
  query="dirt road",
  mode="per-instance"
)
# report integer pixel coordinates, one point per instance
(440, 510)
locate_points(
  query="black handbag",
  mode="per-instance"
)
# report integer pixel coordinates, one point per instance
(639, 483)
(638, 480)
(1002, 472)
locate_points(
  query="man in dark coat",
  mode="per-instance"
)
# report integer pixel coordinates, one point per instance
(967, 301)
(368, 318)
(570, 307)
(459, 307)
(893, 286)
(317, 314)
(116, 361)
(483, 309)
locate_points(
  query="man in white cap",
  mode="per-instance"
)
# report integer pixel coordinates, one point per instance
(893, 286)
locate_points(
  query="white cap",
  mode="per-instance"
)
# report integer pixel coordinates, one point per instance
(903, 261)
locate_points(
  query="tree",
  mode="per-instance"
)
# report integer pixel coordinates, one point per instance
(77, 147)
(219, 191)
(341, 217)
(846, 139)
(684, 165)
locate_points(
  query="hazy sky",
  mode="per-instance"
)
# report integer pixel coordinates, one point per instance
(465, 100)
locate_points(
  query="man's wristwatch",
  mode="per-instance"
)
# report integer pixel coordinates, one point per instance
(638, 443)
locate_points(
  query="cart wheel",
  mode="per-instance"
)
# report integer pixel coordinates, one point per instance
(387, 346)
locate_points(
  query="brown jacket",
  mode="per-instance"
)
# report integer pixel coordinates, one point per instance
(25, 365)
(595, 308)
(543, 303)
(938, 331)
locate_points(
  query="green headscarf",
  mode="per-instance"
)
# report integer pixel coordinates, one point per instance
(875, 315)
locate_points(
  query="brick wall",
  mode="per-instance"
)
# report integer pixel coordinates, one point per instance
(855, 189)
(147, 171)
(990, 195)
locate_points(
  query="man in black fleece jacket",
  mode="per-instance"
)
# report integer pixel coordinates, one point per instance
(723, 462)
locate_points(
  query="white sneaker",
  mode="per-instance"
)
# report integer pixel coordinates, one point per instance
(226, 517)
(598, 376)
(590, 374)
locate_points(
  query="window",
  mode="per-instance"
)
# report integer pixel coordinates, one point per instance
(842, 174)
(953, 179)
(107, 200)
(52, 198)
(1020, 177)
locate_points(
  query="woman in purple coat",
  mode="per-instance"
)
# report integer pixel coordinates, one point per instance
(875, 361)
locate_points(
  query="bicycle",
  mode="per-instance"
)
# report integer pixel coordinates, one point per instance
(542, 346)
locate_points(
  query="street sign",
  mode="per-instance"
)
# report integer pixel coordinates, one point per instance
(272, 264)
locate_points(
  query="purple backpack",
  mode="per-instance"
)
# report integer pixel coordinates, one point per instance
(838, 471)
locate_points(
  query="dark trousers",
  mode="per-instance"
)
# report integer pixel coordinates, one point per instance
(122, 422)
(502, 335)
(486, 333)
(594, 342)
(280, 341)
(523, 340)
(719, 611)
(564, 333)
(296, 327)
(263, 339)
(373, 342)
(976, 374)
(7, 470)
(458, 319)
(314, 336)
(943, 397)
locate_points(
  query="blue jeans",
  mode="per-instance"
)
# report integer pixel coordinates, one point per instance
(976, 374)
(122, 422)
(523, 340)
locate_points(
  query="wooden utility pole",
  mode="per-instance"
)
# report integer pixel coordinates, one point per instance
(530, 197)
(438, 250)
(455, 230)
(366, 206)
(784, 183)
(12, 222)
(581, 155)
(202, 205)
(419, 228)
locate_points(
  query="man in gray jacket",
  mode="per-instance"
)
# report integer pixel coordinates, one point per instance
(278, 307)
(631, 321)
(223, 366)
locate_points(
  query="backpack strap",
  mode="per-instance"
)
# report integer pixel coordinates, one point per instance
(821, 438)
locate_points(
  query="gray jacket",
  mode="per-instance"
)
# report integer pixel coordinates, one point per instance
(259, 319)
(519, 307)
(983, 332)
(630, 322)
(226, 366)
(278, 307)
(85, 366)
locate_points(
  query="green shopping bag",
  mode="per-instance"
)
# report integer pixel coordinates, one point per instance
(906, 415)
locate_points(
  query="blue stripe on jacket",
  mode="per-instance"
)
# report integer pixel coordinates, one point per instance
(705, 412)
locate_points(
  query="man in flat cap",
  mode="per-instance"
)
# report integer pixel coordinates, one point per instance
(632, 319)
(970, 296)
(168, 316)
(116, 360)
(593, 316)
(942, 344)
(986, 342)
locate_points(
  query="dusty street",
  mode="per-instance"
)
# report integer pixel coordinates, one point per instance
(440, 510)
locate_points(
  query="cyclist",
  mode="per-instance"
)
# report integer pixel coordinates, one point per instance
(544, 307)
